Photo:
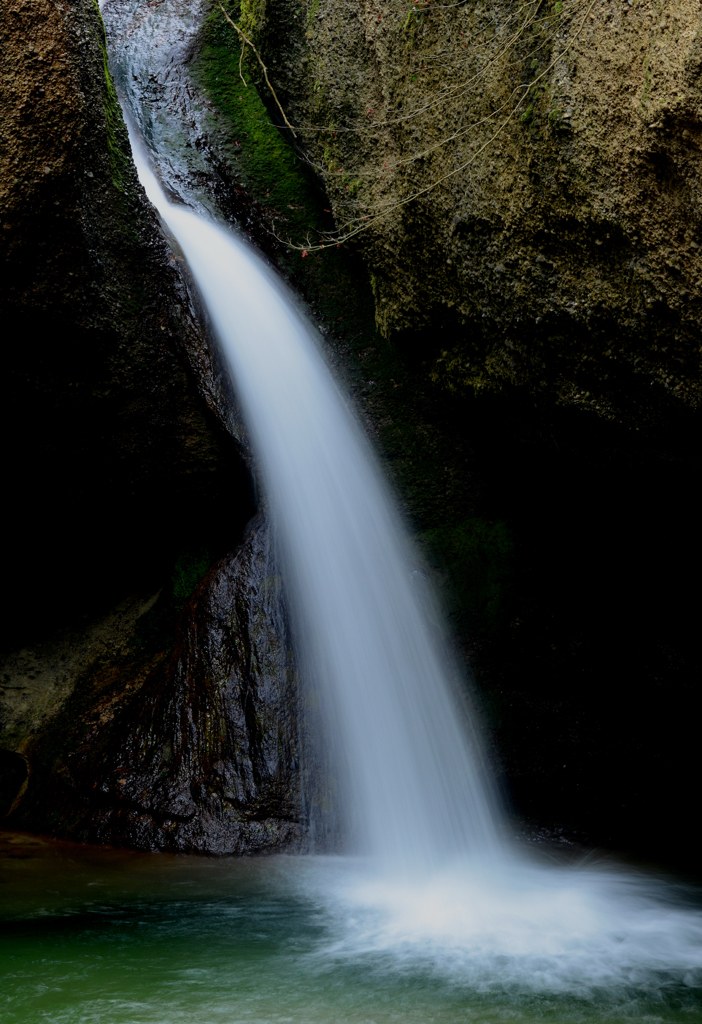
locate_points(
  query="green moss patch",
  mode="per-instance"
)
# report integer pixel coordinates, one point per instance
(263, 160)
(114, 124)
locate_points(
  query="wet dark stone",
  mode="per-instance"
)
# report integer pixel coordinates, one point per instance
(204, 753)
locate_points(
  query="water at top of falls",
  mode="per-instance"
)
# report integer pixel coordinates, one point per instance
(412, 771)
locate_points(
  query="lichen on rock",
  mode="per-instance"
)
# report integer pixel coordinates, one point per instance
(552, 241)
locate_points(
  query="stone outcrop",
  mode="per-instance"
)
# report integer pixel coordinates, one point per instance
(195, 750)
(127, 477)
(555, 156)
(535, 396)
(113, 447)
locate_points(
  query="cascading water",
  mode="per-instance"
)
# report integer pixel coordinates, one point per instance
(416, 781)
(466, 911)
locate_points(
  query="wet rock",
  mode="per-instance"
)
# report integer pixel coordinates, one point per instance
(13, 775)
(126, 463)
(199, 752)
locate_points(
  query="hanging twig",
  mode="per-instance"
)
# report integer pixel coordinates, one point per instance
(263, 66)
(360, 224)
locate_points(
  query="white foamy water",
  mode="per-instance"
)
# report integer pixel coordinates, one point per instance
(442, 896)
(519, 926)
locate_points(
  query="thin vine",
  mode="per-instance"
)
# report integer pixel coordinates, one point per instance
(247, 42)
(528, 15)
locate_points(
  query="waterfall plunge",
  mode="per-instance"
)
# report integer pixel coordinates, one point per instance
(462, 906)
(411, 770)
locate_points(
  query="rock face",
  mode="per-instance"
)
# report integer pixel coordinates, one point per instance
(199, 750)
(113, 450)
(559, 256)
(123, 484)
(555, 158)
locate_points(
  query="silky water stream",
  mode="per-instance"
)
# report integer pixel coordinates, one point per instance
(432, 915)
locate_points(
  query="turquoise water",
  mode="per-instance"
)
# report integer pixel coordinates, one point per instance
(90, 935)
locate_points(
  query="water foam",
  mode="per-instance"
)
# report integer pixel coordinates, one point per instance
(518, 926)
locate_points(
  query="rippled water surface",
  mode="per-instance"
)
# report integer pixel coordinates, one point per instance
(91, 935)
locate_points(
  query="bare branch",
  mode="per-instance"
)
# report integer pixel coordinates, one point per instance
(263, 66)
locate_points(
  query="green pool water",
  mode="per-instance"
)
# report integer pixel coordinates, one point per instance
(92, 935)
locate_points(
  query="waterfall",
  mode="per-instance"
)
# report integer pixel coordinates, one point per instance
(412, 774)
(458, 904)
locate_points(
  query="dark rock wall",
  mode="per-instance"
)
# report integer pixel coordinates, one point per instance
(542, 314)
(122, 486)
(113, 458)
(554, 241)
(194, 750)
(533, 382)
